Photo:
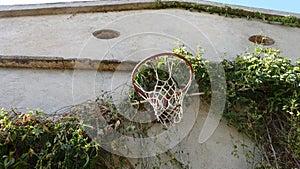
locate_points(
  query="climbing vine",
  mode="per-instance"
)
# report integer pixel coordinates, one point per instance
(228, 11)
(37, 140)
(263, 101)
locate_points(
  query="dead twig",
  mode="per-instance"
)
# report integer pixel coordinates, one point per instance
(272, 148)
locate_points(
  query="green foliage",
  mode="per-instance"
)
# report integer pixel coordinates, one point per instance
(263, 101)
(200, 66)
(38, 140)
(227, 11)
(31, 140)
(147, 78)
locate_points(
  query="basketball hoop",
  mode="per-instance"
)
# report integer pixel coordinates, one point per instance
(158, 80)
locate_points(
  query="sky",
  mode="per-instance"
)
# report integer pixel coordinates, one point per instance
(281, 5)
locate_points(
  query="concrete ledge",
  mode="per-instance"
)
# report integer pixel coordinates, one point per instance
(74, 7)
(113, 5)
(61, 63)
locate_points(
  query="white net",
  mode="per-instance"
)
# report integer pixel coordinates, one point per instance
(163, 80)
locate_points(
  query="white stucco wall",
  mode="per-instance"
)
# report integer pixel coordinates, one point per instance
(70, 36)
(67, 35)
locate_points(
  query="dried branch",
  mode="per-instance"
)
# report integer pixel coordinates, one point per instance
(272, 148)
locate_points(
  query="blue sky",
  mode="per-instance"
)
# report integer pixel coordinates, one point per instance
(281, 5)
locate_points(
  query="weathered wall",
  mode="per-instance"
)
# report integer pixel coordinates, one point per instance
(70, 36)
(67, 35)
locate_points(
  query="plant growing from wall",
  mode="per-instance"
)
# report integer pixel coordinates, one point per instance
(60, 140)
(263, 101)
(35, 140)
(227, 11)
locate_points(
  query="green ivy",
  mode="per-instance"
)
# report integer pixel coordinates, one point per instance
(263, 101)
(32, 140)
(228, 11)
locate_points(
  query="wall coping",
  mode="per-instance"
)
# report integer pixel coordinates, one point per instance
(59, 63)
(112, 5)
